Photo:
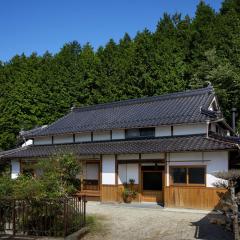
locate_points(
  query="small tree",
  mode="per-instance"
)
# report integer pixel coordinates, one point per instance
(6, 183)
(56, 177)
(232, 177)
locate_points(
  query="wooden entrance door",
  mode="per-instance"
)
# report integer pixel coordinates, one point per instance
(152, 185)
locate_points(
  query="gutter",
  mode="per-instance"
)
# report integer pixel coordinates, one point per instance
(226, 124)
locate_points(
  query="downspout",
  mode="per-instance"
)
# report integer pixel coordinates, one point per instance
(208, 122)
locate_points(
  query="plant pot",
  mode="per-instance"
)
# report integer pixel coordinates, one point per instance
(127, 199)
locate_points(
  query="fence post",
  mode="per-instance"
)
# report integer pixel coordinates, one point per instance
(84, 205)
(14, 217)
(65, 218)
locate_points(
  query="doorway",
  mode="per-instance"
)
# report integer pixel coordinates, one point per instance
(152, 183)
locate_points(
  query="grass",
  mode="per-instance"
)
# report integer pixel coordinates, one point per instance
(95, 223)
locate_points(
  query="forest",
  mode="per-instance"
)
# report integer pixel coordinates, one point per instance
(181, 53)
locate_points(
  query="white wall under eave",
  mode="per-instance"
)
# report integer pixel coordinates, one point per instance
(108, 169)
(57, 139)
(188, 129)
(214, 162)
(43, 140)
(83, 137)
(101, 136)
(118, 134)
(163, 131)
(15, 169)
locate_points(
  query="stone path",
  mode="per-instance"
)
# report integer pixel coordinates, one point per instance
(152, 223)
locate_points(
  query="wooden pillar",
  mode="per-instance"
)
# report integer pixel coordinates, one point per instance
(82, 177)
(166, 180)
(139, 179)
(116, 178)
(100, 177)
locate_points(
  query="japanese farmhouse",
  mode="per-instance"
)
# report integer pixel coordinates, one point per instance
(170, 145)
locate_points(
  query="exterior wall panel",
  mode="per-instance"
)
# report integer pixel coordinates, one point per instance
(63, 139)
(101, 136)
(163, 131)
(192, 197)
(118, 134)
(219, 162)
(214, 162)
(43, 140)
(189, 129)
(83, 137)
(108, 169)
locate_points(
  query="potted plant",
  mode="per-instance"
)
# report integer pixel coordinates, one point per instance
(129, 192)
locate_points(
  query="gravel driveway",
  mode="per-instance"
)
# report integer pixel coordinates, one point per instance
(149, 223)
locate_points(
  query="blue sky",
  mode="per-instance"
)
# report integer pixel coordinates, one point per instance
(40, 25)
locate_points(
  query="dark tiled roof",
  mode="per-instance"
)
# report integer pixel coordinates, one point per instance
(181, 107)
(164, 144)
(233, 139)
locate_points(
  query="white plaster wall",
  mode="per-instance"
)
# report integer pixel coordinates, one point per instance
(189, 129)
(108, 169)
(214, 162)
(83, 137)
(122, 173)
(163, 131)
(118, 134)
(15, 165)
(126, 172)
(62, 139)
(43, 140)
(127, 156)
(101, 136)
(188, 156)
(152, 156)
(219, 162)
(132, 172)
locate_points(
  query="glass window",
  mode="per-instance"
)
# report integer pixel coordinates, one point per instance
(140, 132)
(132, 133)
(147, 132)
(188, 175)
(196, 175)
(179, 175)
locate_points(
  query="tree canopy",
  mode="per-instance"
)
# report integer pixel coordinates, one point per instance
(182, 53)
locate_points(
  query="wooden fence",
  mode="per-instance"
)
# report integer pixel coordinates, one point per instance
(48, 217)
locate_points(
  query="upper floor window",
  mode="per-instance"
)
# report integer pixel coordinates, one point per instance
(140, 132)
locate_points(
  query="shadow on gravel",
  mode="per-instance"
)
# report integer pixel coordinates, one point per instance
(208, 231)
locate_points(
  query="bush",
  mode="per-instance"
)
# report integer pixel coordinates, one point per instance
(49, 188)
(56, 178)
